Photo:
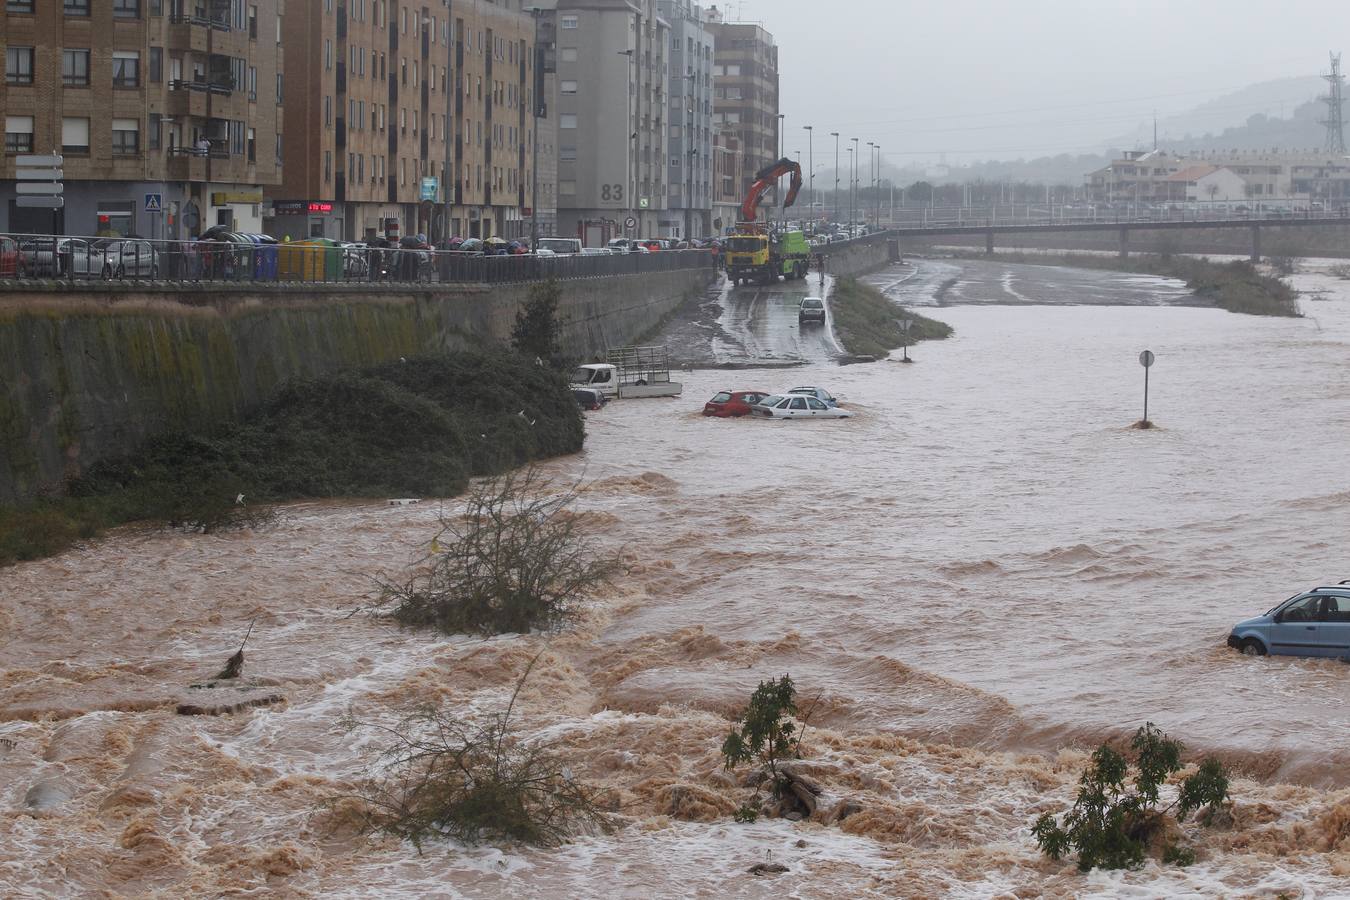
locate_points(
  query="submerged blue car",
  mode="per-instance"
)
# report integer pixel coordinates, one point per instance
(1314, 623)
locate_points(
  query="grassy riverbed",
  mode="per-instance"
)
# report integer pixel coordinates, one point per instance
(1236, 286)
(867, 323)
(416, 428)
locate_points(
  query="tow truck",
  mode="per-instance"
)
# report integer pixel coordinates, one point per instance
(757, 253)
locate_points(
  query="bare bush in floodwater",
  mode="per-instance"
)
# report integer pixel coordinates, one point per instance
(1113, 826)
(516, 560)
(443, 776)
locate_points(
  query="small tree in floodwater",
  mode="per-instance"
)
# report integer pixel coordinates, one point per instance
(517, 559)
(766, 733)
(1112, 825)
(537, 330)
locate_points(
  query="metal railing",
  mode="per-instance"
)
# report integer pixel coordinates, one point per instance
(253, 259)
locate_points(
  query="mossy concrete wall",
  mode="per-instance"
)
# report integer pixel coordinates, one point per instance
(88, 372)
(858, 257)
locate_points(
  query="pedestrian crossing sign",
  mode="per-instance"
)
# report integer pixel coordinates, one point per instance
(154, 203)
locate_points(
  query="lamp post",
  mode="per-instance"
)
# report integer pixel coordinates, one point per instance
(853, 193)
(811, 161)
(852, 157)
(540, 65)
(871, 175)
(835, 212)
(876, 187)
(630, 163)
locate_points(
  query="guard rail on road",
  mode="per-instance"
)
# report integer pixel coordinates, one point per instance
(30, 256)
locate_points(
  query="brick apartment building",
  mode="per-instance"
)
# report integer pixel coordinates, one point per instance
(408, 118)
(745, 79)
(178, 101)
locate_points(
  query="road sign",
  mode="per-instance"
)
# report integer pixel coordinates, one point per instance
(28, 162)
(46, 188)
(430, 188)
(38, 174)
(644, 202)
(1146, 358)
(40, 202)
(630, 222)
(154, 203)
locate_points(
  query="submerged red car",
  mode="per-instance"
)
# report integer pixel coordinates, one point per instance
(733, 403)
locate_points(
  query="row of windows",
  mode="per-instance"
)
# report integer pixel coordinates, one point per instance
(126, 137)
(126, 70)
(123, 9)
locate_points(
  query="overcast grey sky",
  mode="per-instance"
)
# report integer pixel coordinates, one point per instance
(990, 79)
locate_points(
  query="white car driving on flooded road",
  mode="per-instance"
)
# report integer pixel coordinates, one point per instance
(1313, 623)
(796, 406)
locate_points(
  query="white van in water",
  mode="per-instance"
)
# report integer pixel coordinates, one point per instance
(561, 246)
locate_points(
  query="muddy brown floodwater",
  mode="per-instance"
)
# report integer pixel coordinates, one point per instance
(982, 574)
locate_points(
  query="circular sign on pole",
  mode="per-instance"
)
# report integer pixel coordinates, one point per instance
(904, 325)
(1146, 358)
(630, 222)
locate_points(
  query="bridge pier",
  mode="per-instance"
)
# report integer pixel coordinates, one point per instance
(989, 242)
(1124, 242)
(1256, 243)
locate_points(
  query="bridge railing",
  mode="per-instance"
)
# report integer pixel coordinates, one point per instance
(251, 258)
(1063, 217)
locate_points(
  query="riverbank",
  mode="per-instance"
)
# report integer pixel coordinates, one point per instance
(1236, 286)
(421, 427)
(867, 323)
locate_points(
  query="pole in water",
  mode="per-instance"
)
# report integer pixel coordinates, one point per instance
(905, 325)
(1146, 359)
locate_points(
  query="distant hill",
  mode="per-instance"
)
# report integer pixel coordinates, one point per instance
(1281, 114)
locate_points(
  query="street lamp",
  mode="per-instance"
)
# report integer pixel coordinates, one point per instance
(851, 160)
(853, 192)
(630, 160)
(540, 64)
(811, 161)
(782, 138)
(835, 212)
(871, 174)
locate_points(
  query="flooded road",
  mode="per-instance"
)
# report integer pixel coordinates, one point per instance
(981, 575)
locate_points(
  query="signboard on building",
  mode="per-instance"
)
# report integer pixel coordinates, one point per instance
(225, 198)
(154, 203)
(302, 208)
(430, 188)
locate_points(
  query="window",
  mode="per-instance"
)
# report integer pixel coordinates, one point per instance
(126, 68)
(252, 145)
(126, 137)
(19, 6)
(567, 87)
(18, 134)
(281, 93)
(156, 65)
(75, 67)
(18, 65)
(327, 166)
(567, 22)
(74, 135)
(327, 111)
(567, 120)
(154, 131)
(567, 154)
(76, 7)
(127, 9)
(252, 82)
(569, 54)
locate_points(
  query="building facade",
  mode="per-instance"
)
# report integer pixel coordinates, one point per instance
(728, 167)
(689, 178)
(410, 118)
(745, 88)
(168, 113)
(1163, 176)
(612, 118)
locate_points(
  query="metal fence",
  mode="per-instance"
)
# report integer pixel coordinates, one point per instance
(31, 256)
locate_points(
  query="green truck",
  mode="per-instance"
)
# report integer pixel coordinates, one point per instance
(754, 257)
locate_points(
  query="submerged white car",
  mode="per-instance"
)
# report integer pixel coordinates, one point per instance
(797, 406)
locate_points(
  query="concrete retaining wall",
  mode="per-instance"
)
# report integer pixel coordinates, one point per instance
(859, 256)
(89, 372)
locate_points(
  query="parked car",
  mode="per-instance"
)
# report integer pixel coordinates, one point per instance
(1313, 623)
(560, 246)
(596, 251)
(589, 398)
(812, 309)
(728, 404)
(797, 406)
(820, 394)
(119, 259)
(71, 257)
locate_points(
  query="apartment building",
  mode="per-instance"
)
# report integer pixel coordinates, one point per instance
(612, 117)
(168, 112)
(728, 168)
(745, 89)
(689, 208)
(410, 118)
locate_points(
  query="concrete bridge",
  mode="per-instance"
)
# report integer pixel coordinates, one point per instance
(990, 229)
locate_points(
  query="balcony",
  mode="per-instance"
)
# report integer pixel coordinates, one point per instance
(209, 87)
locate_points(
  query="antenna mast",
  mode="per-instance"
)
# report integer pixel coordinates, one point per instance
(1335, 102)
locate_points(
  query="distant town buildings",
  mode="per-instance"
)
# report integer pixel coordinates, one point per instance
(168, 113)
(1160, 176)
